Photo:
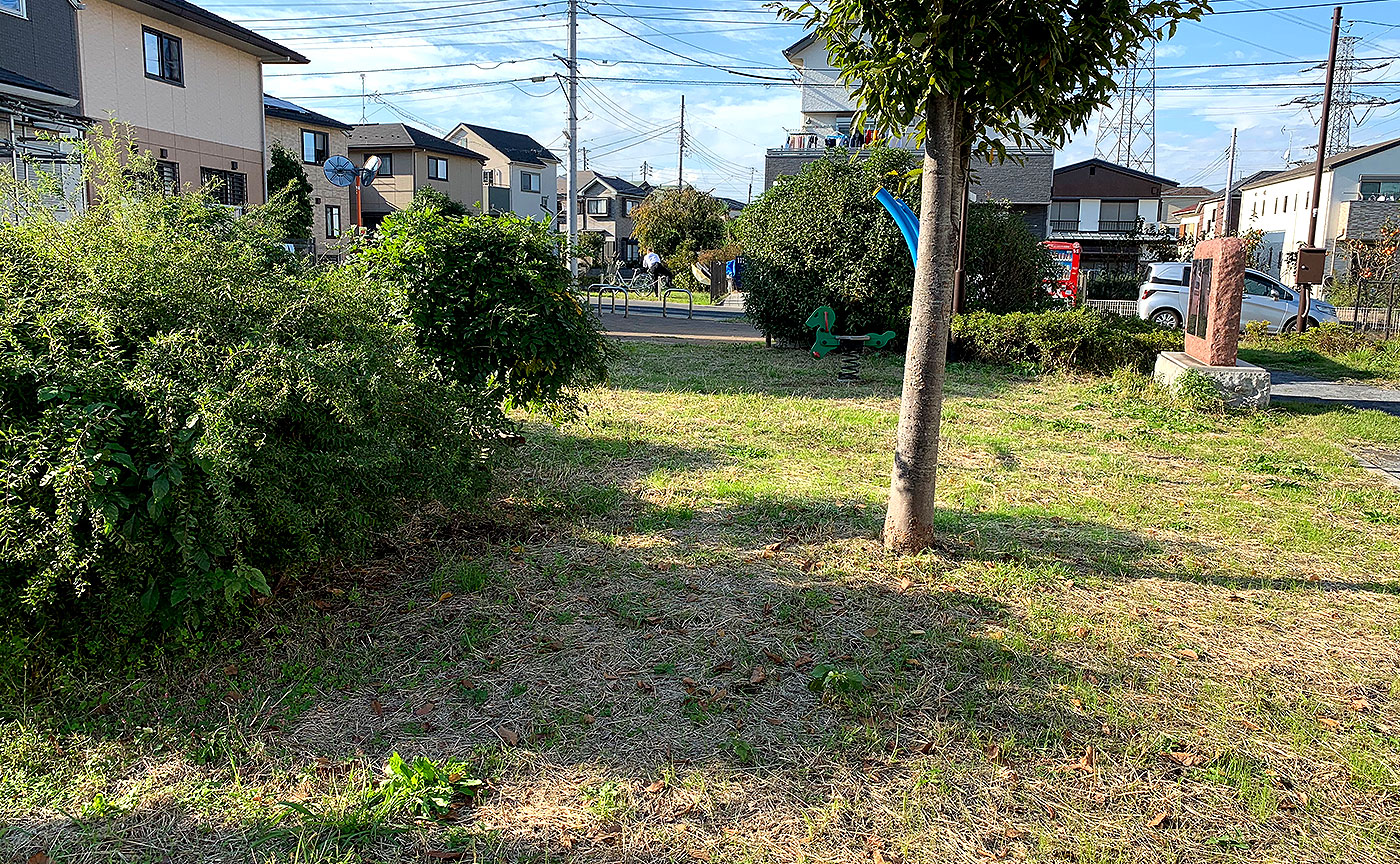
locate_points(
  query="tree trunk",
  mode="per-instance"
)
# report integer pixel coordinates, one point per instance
(909, 519)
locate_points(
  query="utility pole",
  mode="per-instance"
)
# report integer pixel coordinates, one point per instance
(1229, 186)
(571, 186)
(680, 158)
(1305, 292)
(364, 102)
(646, 171)
(584, 151)
(750, 201)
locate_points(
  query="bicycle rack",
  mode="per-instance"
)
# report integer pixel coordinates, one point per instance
(611, 291)
(690, 298)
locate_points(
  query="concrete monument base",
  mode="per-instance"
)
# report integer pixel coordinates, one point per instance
(1243, 385)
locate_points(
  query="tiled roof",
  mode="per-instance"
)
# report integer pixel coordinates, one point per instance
(1124, 169)
(403, 136)
(274, 107)
(515, 146)
(267, 49)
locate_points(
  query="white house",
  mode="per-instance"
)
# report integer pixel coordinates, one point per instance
(826, 125)
(520, 173)
(1360, 190)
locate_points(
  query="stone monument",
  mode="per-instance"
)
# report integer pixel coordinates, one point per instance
(1213, 328)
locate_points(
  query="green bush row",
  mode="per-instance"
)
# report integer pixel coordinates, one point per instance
(1081, 340)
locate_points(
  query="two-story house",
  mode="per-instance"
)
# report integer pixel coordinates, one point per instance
(605, 206)
(411, 159)
(1112, 211)
(1360, 190)
(521, 174)
(828, 113)
(314, 138)
(188, 83)
(40, 109)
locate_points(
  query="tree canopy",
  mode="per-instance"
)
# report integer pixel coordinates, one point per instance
(293, 215)
(673, 221)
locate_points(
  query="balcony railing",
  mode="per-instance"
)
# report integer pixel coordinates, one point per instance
(1064, 224)
(1120, 227)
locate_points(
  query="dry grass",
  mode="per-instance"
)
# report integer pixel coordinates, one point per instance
(1147, 635)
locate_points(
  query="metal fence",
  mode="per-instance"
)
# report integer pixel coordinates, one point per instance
(1382, 320)
(1126, 308)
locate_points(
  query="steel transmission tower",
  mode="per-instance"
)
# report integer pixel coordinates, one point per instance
(1127, 132)
(1342, 114)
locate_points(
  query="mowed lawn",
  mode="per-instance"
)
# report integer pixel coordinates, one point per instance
(672, 635)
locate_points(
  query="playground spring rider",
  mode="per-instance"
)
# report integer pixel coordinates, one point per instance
(823, 319)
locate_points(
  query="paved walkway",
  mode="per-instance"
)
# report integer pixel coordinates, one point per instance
(1292, 387)
(676, 330)
(1383, 463)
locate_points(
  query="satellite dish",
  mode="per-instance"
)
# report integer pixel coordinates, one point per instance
(340, 171)
(370, 171)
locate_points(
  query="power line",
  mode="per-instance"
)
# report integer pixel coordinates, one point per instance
(682, 56)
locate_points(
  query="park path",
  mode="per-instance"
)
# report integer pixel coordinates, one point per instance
(1293, 387)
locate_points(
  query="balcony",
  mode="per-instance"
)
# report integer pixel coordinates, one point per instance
(1121, 227)
(1070, 225)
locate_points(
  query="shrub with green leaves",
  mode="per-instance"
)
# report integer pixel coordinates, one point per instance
(490, 299)
(1006, 265)
(185, 411)
(820, 238)
(1081, 340)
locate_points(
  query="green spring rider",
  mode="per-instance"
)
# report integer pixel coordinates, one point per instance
(823, 319)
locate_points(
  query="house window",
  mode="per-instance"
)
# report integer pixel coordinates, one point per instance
(1064, 215)
(332, 221)
(597, 206)
(163, 57)
(1118, 215)
(386, 164)
(529, 181)
(168, 176)
(1381, 189)
(631, 250)
(14, 7)
(629, 205)
(1285, 203)
(227, 187)
(1275, 205)
(315, 147)
(437, 168)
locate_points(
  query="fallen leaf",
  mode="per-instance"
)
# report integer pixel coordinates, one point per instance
(1359, 704)
(1293, 800)
(809, 565)
(645, 686)
(446, 595)
(230, 670)
(1329, 723)
(607, 676)
(508, 735)
(40, 858)
(726, 666)
(996, 635)
(424, 710)
(1249, 724)
(1186, 759)
(1188, 654)
(923, 748)
(1081, 632)
(904, 584)
(993, 752)
(1313, 577)
(656, 787)
(566, 840)
(698, 854)
(588, 719)
(377, 707)
(804, 660)
(774, 656)
(1160, 820)
(758, 676)
(1012, 833)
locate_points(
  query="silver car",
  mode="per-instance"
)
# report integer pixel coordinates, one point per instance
(1162, 299)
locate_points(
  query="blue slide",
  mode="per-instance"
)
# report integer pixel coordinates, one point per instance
(906, 219)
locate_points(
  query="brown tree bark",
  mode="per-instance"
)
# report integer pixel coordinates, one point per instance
(909, 521)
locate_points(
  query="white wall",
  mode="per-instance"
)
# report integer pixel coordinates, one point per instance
(527, 204)
(1088, 214)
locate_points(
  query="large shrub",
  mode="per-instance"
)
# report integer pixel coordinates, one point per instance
(1005, 264)
(285, 173)
(1068, 339)
(182, 410)
(820, 238)
(490, 299)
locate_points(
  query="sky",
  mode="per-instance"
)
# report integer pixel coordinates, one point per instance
(434, 63)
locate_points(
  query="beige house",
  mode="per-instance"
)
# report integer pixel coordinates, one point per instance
(314, 138)
(521, 173)
(411, 159)
(605, 207)
(188, 83)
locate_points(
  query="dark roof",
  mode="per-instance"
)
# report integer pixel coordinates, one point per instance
(1258, 176)
(1333, 161)
(617, 184)
(1104, 163)
(264, 48)
(403, 136)
(274, 107)
(1187, 191)
(732, 203)
(515, 146)
(14, 79)
(800, 44)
